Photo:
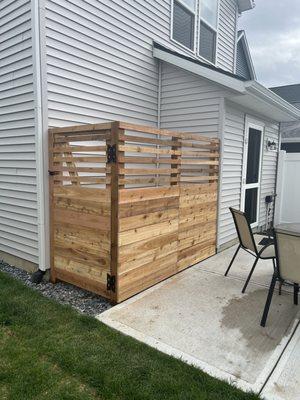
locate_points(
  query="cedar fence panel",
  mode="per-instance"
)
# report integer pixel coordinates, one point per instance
(130, 205)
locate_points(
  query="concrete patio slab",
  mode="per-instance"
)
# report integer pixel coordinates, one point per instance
(201, 317)
(284, 383)
(241, 267)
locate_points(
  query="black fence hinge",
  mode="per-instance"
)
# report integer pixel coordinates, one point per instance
(111, 153)
(111, 283)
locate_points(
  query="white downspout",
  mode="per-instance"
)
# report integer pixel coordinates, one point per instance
(222, 124)
(43, 253)
(159, 93)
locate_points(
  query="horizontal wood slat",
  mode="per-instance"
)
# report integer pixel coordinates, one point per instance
(83, 159)
(65, 139)
(149, 171)
(82, 129)
(165, 132)
(75, 149)
(131, 201)
(148, 140)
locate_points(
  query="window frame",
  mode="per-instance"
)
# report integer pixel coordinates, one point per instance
(195, 13)
(251, 122)
(215, 29)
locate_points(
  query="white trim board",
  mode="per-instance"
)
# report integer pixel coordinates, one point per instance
(231, 83)
(259, 126)
(195, 12)
(290, 140)
(41, 137)
(249, 94)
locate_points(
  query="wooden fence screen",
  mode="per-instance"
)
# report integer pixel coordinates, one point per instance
(130, 205)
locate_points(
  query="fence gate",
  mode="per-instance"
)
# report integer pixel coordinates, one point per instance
(80, 209)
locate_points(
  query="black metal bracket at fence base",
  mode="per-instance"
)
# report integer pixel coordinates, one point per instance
(111, 283)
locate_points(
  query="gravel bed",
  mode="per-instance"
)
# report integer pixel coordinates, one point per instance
(83, 301)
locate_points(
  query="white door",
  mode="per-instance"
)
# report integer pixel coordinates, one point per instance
(253, 147)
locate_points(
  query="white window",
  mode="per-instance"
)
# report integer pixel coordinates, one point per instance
(183, 30)
(208, 29)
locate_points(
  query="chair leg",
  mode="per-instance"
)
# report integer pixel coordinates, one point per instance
(268, 302)
(280, 287)
(233, 258)
(296, 291)
(250, 274)
(274, 264)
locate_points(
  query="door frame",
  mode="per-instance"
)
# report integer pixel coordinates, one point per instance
(260, 126)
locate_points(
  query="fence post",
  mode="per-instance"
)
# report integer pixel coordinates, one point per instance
(213, 169)
(114, 195)
(279, 187)
(51, 216)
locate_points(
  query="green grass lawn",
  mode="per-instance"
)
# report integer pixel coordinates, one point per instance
(49, 351)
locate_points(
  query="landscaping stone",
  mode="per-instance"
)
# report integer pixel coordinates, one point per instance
(83, 301)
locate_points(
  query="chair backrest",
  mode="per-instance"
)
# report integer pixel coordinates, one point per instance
(287, 247)
(243, 229)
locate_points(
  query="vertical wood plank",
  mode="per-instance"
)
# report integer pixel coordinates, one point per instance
(114, 191)
(212, 168)
(51, 206)
(164, 228)
(177, 165)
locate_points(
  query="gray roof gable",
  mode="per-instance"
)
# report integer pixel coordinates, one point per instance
(290, 93)
(244, 63)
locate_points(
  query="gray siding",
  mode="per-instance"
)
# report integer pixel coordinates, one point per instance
(232, 165)
(18, 197)
(233, 142)
(99, 57)
(227, 34)
(269, 166)
(242, 68)
(189, 103)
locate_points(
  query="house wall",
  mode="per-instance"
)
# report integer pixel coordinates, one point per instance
(99, 57)
(98, 66)
(269, 169)
(232, 166)
(18, 191)
(227, 34)
(189, 103)
(232, 161)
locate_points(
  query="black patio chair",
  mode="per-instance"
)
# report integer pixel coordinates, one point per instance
(287, 250)
(247, 243)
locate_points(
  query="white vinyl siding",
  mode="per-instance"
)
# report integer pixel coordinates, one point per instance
(99, 59)
(232, 165)
(189, 103)
(232, 161)
(227, 34)
(269, 167)
(18, 197)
